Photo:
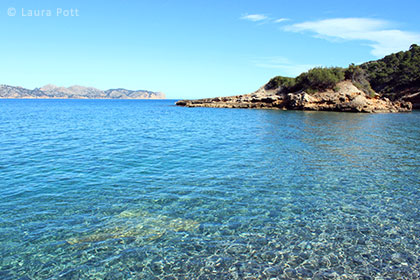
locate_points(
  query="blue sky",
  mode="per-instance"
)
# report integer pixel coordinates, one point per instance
(194, 49)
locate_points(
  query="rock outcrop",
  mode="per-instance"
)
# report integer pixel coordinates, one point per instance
(413, 99)
(345, 98)
(77, 92)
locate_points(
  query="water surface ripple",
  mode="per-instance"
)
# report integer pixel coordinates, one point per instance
(124, 189)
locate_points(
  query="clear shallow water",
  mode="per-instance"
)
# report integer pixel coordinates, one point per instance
(114, 189)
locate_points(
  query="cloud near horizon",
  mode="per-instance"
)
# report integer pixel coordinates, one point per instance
(378, 34)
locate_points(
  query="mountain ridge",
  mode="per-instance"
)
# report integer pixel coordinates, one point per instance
(51, 91)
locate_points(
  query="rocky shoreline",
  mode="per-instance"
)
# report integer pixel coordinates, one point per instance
(345, 98)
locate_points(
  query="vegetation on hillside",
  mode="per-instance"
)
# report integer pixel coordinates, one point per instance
(316, 79)
(358, 76)
(319, 79)
(278, 81)
(396, 72)
(391, 75)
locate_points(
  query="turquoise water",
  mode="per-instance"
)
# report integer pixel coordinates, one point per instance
(124, 189)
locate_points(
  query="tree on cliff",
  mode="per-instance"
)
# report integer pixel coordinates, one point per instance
(396, 72)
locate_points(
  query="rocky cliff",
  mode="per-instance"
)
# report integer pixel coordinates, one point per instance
(345, 97)
(77, 92)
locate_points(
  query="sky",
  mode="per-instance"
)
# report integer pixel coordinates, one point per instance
(194, 49)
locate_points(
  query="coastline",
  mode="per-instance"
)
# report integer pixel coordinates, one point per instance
(348, 98)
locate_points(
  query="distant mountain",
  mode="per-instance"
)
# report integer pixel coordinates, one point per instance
(77, 92)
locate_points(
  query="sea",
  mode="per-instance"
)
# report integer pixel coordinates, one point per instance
(142, 189)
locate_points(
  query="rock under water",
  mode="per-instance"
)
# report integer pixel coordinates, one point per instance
(137, 223)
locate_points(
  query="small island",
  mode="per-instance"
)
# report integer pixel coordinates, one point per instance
(391, 84)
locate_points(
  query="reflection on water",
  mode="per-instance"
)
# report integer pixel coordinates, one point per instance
(114, 189)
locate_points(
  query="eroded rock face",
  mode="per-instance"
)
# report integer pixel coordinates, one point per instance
(346, 98)
(414, 99)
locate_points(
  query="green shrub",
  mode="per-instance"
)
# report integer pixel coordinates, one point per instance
(280, 81)
(358, 76)
(366, 88)
(319, 79)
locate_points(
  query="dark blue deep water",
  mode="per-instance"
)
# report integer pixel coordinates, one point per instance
(125, 189)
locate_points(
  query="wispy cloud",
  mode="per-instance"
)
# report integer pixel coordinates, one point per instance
(254, 17)
(281, 20)
(262, 18)
(378, 34)
(285, 66)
